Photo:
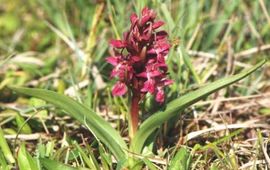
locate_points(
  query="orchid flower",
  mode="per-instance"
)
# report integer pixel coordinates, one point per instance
(142, 69)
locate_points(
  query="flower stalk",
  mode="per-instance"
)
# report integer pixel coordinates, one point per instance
(134, 114)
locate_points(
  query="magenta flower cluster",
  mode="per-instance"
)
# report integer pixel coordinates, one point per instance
(139, 59)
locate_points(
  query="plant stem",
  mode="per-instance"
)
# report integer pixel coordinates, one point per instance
(134, 114)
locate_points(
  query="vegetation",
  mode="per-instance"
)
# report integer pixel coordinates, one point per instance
(57, 110)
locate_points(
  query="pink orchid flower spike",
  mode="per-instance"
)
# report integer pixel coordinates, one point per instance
(142, 69)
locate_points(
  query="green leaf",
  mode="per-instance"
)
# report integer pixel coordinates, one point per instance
(264, 111)
(174, 107)
(102, 130)
(52, 164)
(167, 16)
(23, 126)
(181, 160)
(3, 62)
(149, 164)
(189, 64)
(37, 103)
(5, 148)
(3, 163)
(105, 158)
(25, 160)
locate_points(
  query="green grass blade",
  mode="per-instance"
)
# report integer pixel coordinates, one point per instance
(174, 107)
(189, 64)
(3, 62)
(3, 163)
(25, 160)
(98, 126)
(51, 164)
(149, 164)
(167, 16)
(5, 148)
(89, 161)
(23, 126)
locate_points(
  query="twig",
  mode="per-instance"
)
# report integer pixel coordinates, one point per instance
(234, 99)
(34, 136)
(201, 54)
(71, 91)
(28, 57)
(194, 35)
(252, 51)
(250, 124)
(154, 160)
(252, 163)
(56, 74)
(265, 11)
(252, 28)
(264, 149)
(237, 55)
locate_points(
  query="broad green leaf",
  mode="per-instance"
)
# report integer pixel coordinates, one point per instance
(181, 160)
(54, 165)
(174, 107)
(102, 130)
(25, 160)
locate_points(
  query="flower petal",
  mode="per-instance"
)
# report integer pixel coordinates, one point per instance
(160, 58)
(113, 60)
(162, 66)
(160, 96)
(114, 73)
(119, 89)
(145, 19)
(154, 73)
(145, 11)
(149, 86)
(162, 47)
(135, 58)
(158, 24)
(133, 18)
(151, 51)
(148, 12)
(161, 35)
(167, 82)
(143, 74)
(117, 43)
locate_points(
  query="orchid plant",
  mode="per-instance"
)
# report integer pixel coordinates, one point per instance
(139, 65)
(143, 69)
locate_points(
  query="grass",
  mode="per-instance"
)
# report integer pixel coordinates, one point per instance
(62, 45)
